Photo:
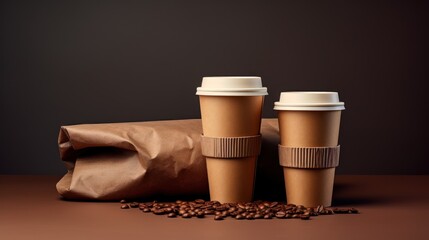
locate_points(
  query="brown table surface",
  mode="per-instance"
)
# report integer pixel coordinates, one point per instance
(392, 207)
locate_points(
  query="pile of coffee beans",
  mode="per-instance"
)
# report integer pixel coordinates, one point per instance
(200, 208)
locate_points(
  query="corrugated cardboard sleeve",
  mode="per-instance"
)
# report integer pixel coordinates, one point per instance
(231, 147)
(309, 157)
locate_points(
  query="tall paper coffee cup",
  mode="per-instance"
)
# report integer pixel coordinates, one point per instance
(231, 108)
(309, 127)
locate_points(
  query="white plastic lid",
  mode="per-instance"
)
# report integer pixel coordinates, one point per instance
(309, 101)
(232, 86)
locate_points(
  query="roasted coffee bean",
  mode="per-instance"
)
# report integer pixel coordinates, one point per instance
(340, 211)
(233, 214)
(197, 205)
(209, 212)
(220, 208)
(287, 208)
(123, 201)
(250, 210)
(280, 214)
(241, 210)
(299, 211)
(353, 210)
(218, 217)
(134, 204)
(149, 204)
(168, 210)
(158, 212)
(232, 209)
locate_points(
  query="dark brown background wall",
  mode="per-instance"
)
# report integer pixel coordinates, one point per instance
(70, 62)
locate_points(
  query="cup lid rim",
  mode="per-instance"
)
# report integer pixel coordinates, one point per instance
(232, 91)
(280, 104)
(232, 86)
(309, 101)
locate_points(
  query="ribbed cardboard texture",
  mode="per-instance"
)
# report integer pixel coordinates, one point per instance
(232, 179)
(231, 147)
(309, 187)
(309, 157)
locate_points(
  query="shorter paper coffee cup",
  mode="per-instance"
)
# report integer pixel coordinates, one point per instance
(309, 127)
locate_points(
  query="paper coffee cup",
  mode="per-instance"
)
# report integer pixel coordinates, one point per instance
(309, 125)
(231, 109)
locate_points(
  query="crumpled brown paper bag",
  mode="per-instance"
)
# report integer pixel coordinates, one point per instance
(148, 160)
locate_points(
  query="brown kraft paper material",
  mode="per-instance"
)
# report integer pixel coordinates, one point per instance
(150, 159)
(309, 186)
(231, 179)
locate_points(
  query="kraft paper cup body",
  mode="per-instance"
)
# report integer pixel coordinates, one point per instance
(309, 125)
(231, 114)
